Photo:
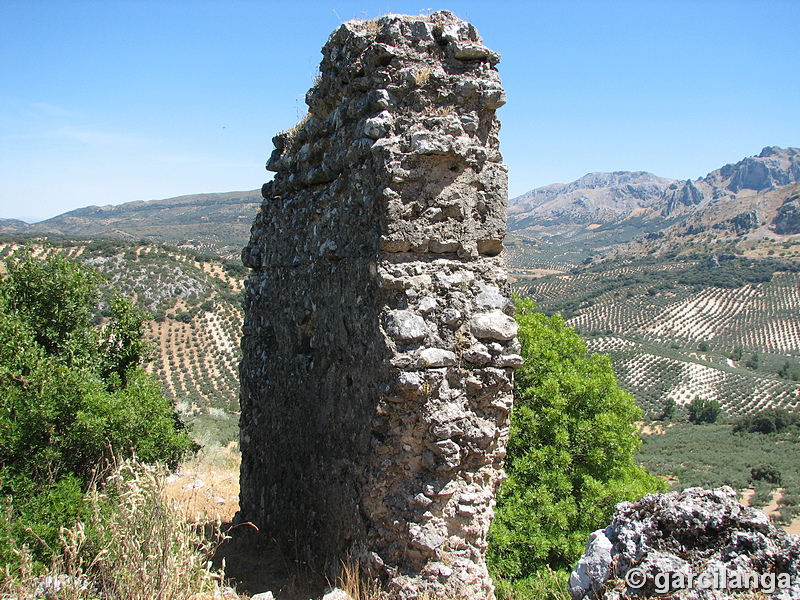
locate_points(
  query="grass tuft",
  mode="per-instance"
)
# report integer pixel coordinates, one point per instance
(135, 546)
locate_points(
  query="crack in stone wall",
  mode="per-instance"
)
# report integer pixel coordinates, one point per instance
(379, 346)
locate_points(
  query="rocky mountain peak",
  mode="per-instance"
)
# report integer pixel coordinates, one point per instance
(774, 167)
(770, 151)
(618, 183)
(614, 179)
(602, 198)
(594, 198)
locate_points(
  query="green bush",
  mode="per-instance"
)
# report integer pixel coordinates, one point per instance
(132, 543)
(762, 494)
(767, 473)
(789, 513)
(711, 456)
(545, 584)
(789, 371)
(668, 410)
(790, 498)
(784, 517)
(570, 452)
(770, 420)
(753, 362)
(704, 411)
(72, 396)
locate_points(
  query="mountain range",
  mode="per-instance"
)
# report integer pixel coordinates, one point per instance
(757, 196)
(690, 286)
(215, 223)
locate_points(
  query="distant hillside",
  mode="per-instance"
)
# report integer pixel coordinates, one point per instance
(592, 200)
(691, 286)
(588, 217)
(13, 226)
(716, 325)
(217, 223)
(755, 197)
(770, 216)
(683, 282)
(196, 302)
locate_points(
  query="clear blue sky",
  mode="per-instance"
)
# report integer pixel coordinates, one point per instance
(113, 101)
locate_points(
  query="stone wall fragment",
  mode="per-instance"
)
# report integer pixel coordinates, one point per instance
(379, 346)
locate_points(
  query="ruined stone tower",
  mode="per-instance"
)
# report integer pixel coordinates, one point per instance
(378, 343)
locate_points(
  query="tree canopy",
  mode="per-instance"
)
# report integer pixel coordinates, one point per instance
(570, 451)
(73, 395)
(702, 410)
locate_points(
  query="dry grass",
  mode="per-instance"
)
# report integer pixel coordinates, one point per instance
(370, 26)
(206, 488)
(153, 535)
(357, 584)
(136, 546)
(293, 131)
(443, 110)
(421, 76)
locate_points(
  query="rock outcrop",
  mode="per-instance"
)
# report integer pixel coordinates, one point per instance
(694, 545)
(688, 195)
(379, 347)
(773, 167)
(787, 219)
(594, 198)
(741, 223)
(638, 197)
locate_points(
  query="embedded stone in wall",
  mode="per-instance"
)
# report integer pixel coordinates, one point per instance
(378, 346)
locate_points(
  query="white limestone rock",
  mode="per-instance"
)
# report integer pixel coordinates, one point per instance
(405, 326)
(494, 325)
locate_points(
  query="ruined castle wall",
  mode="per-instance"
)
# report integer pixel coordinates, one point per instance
(378, 346)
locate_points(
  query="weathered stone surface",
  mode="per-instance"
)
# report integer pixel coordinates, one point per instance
(490, 297)
(337, 594)
(374, 421)
(494, 325)
(436, 357)
(592, 570)
(478, 354)
(692, 545)
(405, 326)
(787, 220)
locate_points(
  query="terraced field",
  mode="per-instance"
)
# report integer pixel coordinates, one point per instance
(195, 300)
(654, 374)
(670, 336)
(757, 318)
(198, 361)
(527, 255)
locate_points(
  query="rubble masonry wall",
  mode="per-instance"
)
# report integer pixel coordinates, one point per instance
(378, 346)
